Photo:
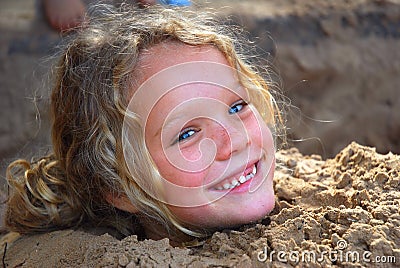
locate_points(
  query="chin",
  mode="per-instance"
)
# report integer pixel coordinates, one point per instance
(259, 216)
(259, 213)
(253, 217)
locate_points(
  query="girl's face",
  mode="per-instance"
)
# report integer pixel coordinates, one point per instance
(210, 145)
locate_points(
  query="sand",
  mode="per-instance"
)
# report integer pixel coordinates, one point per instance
(340, 212)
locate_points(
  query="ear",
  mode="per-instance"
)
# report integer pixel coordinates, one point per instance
(121, 202)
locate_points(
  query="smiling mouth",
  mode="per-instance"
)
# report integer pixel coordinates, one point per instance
(235, 182)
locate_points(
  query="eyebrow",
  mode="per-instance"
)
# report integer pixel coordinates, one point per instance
(169, 123)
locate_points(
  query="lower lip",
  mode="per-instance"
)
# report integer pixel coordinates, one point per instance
(244, 187)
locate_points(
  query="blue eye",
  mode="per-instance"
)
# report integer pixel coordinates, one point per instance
(186, 134)
(237, 107)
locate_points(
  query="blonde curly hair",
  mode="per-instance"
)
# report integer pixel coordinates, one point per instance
(88, 106)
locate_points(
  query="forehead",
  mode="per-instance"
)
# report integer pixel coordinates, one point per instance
(167, 54)
(172, 73)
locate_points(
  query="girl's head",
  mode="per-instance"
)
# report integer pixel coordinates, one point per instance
(157, 115)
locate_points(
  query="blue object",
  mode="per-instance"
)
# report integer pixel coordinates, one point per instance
(175, 2)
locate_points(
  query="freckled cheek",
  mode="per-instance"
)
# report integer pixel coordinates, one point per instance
(185, 179)
(255, 131)
(260, 133)
(179, 176)
(190, 180)
(191, 154)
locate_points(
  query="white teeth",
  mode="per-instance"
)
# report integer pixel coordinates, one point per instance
(242, 179)
(248, 177)
(235, 182)
(226, 186)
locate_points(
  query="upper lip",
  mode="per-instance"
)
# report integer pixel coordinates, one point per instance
(235, 174)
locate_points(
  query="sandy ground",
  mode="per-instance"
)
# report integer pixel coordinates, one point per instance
(342, 212)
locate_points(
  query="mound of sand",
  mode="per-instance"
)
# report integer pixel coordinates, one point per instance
(343, 212)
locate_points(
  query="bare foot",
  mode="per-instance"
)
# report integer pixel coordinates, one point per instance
(64, 15)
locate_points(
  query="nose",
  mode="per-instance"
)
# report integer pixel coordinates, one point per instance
(229, 139)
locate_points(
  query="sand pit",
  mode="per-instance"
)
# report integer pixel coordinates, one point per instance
(342, 212)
